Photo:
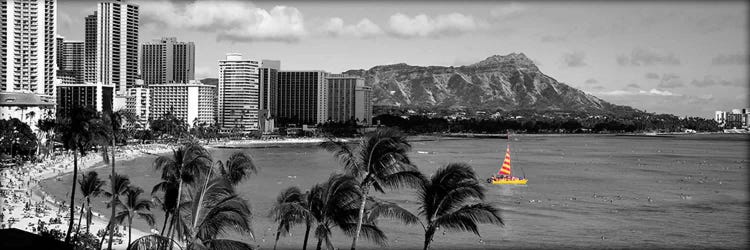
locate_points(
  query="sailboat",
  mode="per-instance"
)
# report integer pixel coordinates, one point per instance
(504, 176)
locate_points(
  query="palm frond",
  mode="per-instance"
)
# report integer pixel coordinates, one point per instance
(225, 244)
(380, 208)
(344, 154)
(368, 231)
(466, 218)
(153, 242)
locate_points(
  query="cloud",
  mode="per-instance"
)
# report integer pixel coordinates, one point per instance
(363, 29)
(591, 81)
(633, 85)
(230, 20)
(507, 10)
(551, 38)
(652, 92)
(735, 59)
(652, 76)
(670, 81)
(421, 25)
(647, 57)
(710, 81)
(574, 59)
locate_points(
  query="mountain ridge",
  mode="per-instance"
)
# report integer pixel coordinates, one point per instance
(505, 82)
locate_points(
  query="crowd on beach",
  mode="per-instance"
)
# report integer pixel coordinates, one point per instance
(25, 206)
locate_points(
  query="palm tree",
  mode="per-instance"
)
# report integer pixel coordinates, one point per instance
(118, 187)
(290, 208)
(114, 123)
(187, 163)
(447, 201)
(134, 206)
(77, 136)
(91, 186)
(335, 204)
(238, 167)
(168, 201)
(380, 160)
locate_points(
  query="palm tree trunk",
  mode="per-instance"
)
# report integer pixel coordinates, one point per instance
(101, 241)
(365, 190)
(319, 242)
(166, 218)
(278, 233)
(428, 237)
(112, 182)
(78, 228)
(88, 214)
(130, 230)
(307, 233)
(72, 196)
(177, 210)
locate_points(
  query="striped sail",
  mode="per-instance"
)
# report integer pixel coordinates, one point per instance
(505, 169)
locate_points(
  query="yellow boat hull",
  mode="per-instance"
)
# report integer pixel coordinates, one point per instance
(510, 182)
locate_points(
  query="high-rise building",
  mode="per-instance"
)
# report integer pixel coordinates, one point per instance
(97, 96)
(115, 45)
(348, 99)
(191, 102)
(720, 117)
(27, 46)
(89, 52)
(70, 62)
(268, 77)
(238, 96)
(302, 97)
(167, 60)
(139, 103)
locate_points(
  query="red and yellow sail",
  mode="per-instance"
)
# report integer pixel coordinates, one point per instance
(505, 169)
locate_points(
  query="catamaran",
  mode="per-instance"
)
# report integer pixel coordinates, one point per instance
(504, 176)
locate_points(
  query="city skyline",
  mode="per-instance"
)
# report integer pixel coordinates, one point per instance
(683, 58)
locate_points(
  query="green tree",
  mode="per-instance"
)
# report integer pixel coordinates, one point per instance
(238, 167)
(379, 161)
(118, 187)
(290, 208)
(447, 201)
(186, 164)
(134, 206)
(77, 136)
(91, 186)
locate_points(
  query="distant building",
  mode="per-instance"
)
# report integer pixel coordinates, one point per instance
(27, 107)
(192, 102)
(736, 120)
(167, 60)
(736, 111)
(720, 117)
(97, 96)
(268, 78)
(70, 58)
(139, 103)
(238, 96)
(28, 47)
(348, 99)
(112, 45)
(302, 97)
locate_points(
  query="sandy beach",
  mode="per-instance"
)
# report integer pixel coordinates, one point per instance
(21, 186)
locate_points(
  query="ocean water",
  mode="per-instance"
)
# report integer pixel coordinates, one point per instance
(583, 191)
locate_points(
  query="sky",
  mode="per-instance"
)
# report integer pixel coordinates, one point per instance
(684, 58)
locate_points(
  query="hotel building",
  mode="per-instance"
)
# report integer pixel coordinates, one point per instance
(112, 45)
(192, 102)
(302, 97)
(348, 99)
(238, 96)
(97, 96)
(268, 77)
(27, 47)
(139, 103)
(70, 58)
(167, 60)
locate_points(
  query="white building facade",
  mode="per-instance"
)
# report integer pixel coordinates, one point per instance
(192, 102)
(28, 52)
(238, 95)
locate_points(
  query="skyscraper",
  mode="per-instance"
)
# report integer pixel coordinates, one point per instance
(166, 61)
(238, 97)
(302, 97)
(70, 62)
(115, 39)
(348, 99)
(27, 46)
